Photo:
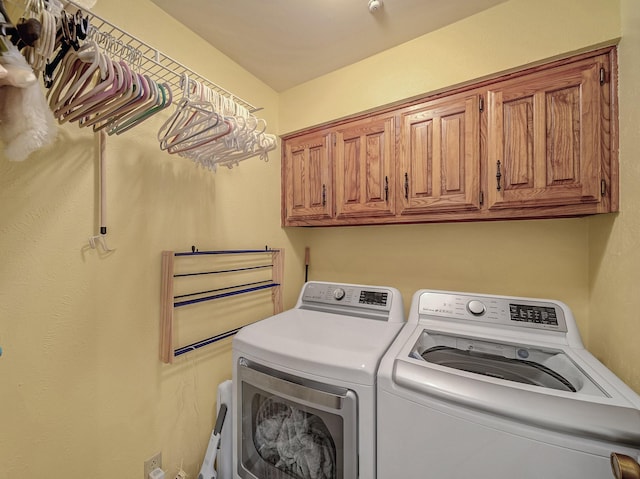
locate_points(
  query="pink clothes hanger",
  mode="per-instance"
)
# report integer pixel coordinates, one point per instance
(82, 104)
(103, 110)
(140, 94)
(163, 102)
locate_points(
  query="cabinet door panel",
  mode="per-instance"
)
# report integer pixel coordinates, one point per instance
(440, 156)
(518, 142)
(544, 139)
(364, 157)
(563, 115)
(307, 178)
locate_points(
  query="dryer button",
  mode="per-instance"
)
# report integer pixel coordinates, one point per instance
(338, 294)
(476, 307)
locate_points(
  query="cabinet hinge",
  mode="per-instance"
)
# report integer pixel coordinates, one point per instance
(481, 198)
(481, 103)
(603, 187)
(602, 75)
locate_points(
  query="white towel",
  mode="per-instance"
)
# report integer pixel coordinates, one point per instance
(294, 441)
(26, 122)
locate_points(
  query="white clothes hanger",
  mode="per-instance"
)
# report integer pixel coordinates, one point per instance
(88, 99)
(102, 107)
(76, 74)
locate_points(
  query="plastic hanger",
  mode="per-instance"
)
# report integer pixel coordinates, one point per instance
(86, 102)
(164, 100)
(130, 91)
(139, 95)
(75, 77)
(225, 127)
(191, 118)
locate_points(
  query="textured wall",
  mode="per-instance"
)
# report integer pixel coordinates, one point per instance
(615, 240)
(83, 392)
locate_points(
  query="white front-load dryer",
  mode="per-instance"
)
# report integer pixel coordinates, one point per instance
(498, 387)
(304, 384)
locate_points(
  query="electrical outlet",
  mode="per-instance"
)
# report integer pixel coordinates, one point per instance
(151, 463)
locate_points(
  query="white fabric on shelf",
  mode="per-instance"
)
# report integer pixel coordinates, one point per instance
(26, 122)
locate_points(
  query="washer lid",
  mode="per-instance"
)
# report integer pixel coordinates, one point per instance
(324, 344)
(495, 366)
(542, 365)
(601, 408)
(609, 419)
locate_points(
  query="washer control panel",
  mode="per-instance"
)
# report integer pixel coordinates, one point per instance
(520, 312)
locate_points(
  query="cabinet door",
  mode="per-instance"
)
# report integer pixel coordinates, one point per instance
(440, 156)
(307, 178)
(364, 159)
(544, 138)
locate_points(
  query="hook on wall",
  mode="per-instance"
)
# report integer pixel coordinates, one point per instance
(100, 240)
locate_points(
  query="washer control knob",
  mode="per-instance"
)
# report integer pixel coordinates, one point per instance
(476, 307)
(338, 294)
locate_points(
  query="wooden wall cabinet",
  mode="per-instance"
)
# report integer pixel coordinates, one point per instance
(540, 143)
(364, 162)
(439, 165)
(545, 138)
(307, 172)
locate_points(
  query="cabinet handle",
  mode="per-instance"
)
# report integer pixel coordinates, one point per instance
(324, 195)
(386, 189)
(498, 175)
(406, 186)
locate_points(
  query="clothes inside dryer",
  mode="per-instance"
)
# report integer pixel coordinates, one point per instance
(294, 441)
(547, 368)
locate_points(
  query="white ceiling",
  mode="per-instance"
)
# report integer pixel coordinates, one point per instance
(287, 42)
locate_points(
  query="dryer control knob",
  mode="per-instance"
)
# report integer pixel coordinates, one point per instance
(476, 307)
(338, 294)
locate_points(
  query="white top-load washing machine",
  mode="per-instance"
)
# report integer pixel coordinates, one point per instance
(498, 387)
(304, 384)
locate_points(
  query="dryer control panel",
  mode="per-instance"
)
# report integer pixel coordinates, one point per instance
(354, 300)
(512, 311)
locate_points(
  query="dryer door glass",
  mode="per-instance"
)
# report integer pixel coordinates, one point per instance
(293, 428)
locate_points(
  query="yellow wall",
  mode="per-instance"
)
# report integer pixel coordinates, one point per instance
(507, 36)
(614, 249)
(83, 393)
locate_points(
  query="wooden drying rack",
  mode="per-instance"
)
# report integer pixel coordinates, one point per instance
(169, 301)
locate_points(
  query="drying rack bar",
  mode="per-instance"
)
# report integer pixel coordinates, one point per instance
(169, 304)
(218, 289)
(221, 271)
(204, 342)
(224, 295)
(146, 59)
(227, 251)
